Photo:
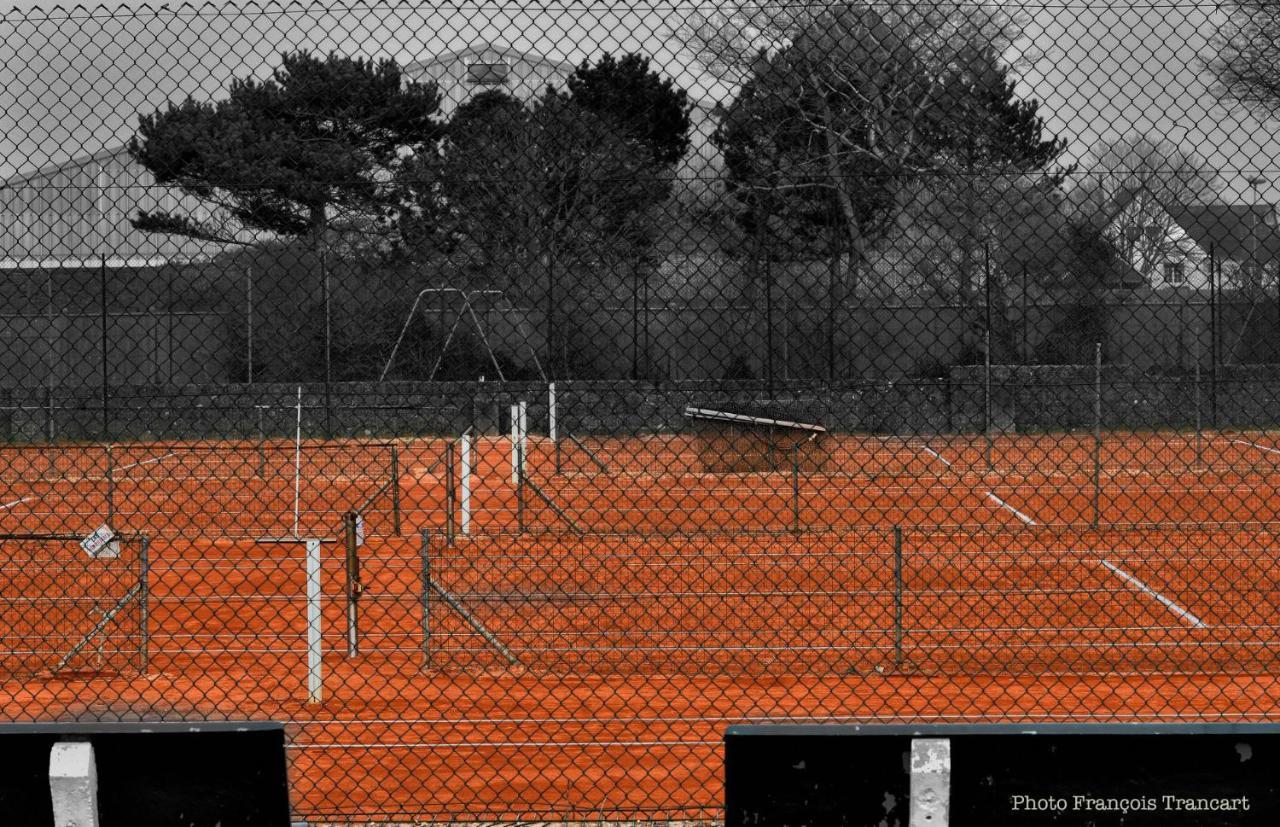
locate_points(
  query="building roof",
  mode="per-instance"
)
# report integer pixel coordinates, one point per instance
(56, 166)
(487, 48)
(1232, 232)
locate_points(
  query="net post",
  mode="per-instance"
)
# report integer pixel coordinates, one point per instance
(464, 483)
(552, 425)
(261, 443)
(897, 597)
(315, 661)
(795, 488)
(1097, 432)
(1199, 431)
(519, 488)
(144, 597)
(425, 552)
(450, 493)
(297, 469)
(111, 486)
(354, 588)
(395, 489)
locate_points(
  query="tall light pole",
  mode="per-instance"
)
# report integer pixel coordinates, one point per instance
(1256, 182)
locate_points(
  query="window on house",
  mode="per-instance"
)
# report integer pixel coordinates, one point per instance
(487, 74)
(1174, 273)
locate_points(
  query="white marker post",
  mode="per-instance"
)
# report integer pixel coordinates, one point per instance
(315, 677)
(464, 498)
(73, 784)
(519, 436)
(551, 412)
(930, 782)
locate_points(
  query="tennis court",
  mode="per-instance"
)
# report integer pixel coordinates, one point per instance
(644, 606)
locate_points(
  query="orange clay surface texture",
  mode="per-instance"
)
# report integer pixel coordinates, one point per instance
(581, 651)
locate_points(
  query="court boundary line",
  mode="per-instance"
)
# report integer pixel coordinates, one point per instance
(8, 505)
(992, 496)
(1182, 614)
(1255, 445)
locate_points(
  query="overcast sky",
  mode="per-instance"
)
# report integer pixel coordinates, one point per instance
(73, 82)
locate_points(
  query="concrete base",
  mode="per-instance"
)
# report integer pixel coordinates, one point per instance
(73, 784)
(930, 782)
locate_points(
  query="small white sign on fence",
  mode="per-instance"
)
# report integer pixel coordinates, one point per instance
(101, 544)
(359, 530)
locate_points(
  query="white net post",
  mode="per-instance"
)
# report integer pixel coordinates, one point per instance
(519, 436)
(315, 677)
(551, 411)
(464, 483)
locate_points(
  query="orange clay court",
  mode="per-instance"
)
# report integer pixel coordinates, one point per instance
(605, 621)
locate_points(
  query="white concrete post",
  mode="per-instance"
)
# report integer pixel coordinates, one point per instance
(464, 498)
(73, 784)
(551, 412)
(315, 678)
(930, 782)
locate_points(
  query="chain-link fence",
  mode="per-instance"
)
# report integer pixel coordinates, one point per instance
(509, 397)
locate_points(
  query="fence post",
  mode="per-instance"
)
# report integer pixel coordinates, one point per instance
(262, 444)
(354, 588)
(395, 489)
(106, 391)
(48, 406)
(1097, 432)
(450, 493)
(1213, 337)
(328, 350)
(795, 487)
(425, 549)
(248, 323)
(986, 361)
(1199, 449)
(897, 597)
(111, 487)
(144, 597)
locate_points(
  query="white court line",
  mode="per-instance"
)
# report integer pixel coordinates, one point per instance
(991, 496)
(1183, 614)
(147, 461)
(1255, 445)
(15, 502)
(936, 455)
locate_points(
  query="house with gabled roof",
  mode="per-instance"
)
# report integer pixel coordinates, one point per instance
(1242, 239)
(75, 214)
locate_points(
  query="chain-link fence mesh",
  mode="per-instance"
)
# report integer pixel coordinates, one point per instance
(509, 397)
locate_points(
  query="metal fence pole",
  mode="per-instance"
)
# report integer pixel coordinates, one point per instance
(795, 488)
(352, 570)
(450, 493)
(144, 597)
(1213, 337)
(897, 597)
(328, 350)
(106, 389)
(395, 489)
(1199, 455)
(1097, 432)
(111, 486)
(425, 553)
(986, 372)
(248, 323)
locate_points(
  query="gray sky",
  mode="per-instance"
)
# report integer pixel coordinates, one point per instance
(73, 82)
